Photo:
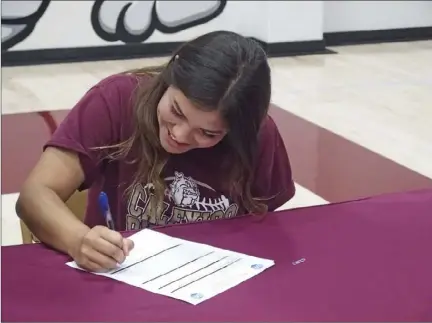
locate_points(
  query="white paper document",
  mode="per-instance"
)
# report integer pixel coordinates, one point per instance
(182, 269)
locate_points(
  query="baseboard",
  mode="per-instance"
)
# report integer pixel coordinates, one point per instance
(377, 36)
(129, 51)
(297, 48)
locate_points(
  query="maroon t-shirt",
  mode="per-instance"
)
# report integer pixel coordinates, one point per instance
(194, 188)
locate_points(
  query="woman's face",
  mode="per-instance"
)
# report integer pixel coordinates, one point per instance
(183, 127)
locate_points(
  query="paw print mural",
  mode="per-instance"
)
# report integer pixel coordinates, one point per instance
(126, 21)
(18, 19)
(135, 21)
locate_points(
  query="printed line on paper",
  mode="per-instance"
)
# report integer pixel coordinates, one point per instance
(141, 261)
(181, 266)
(207, 275)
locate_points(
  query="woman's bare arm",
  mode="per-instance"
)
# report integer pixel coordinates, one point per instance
(41, 203)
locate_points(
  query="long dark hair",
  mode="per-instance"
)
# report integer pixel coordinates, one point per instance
(219, 70)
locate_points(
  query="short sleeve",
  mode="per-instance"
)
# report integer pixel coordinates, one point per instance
(95, 121)
(273, 178)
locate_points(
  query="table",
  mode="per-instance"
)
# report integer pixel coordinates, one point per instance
(365, 260)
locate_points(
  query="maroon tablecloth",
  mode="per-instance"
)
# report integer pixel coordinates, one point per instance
(368, 260)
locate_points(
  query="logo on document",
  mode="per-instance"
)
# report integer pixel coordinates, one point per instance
(257, 266)
(197, 295)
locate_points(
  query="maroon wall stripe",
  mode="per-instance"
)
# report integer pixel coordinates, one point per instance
(327, 164)
(338, 169)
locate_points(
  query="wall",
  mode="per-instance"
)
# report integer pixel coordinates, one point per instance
(376, 15)
(89, 26)
(293, 20)
(28, 25)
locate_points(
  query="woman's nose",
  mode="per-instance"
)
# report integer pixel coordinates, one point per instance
(181, 133)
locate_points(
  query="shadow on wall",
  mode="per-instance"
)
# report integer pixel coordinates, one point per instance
(126, 21)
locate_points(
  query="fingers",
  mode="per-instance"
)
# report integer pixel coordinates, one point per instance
(103, 249)
(116, 239)
(99, 259)
(111, 236)
(128, 245)
(106, 248)
(92, 266)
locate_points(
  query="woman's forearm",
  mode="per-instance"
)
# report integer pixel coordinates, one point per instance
(49, 219)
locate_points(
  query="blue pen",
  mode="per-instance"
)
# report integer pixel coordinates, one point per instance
(105, 209)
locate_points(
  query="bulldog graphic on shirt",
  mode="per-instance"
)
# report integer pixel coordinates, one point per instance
(186, 200)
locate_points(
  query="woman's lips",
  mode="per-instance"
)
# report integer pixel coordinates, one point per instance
(175, 141)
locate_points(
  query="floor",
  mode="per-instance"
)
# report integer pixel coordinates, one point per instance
(356, 123)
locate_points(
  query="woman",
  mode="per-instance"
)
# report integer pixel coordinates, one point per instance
(189, 141)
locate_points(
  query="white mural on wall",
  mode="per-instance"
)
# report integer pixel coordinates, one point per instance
(18, 19)
(135, 21)
(125, 21)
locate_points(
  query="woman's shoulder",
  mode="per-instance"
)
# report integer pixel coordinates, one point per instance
(115, 95)
(268, 131)
(122, 83)
(104, 113)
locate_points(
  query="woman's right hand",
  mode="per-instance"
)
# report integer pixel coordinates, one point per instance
(101, 249)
